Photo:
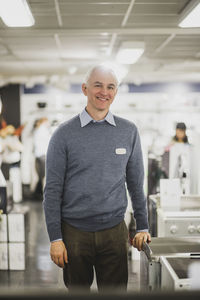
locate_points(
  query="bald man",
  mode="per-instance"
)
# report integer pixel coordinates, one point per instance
(90, 159)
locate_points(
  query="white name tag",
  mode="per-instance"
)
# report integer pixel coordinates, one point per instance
(120, 150)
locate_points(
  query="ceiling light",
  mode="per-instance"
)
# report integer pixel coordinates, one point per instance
(192, 19)
(104, 33)
(16, 13)
(130, 52)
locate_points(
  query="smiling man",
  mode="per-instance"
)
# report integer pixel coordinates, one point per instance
(100, 89)
(89, 160)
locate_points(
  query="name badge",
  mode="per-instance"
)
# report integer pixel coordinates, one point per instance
(120, 150)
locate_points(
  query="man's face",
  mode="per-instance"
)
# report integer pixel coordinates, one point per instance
(100, 90)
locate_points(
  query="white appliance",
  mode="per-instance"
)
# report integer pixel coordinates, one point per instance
(150, 265)
(174, 271)
(178, 222)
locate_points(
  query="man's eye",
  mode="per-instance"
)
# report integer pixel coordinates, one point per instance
(111, 88)
(97, 85)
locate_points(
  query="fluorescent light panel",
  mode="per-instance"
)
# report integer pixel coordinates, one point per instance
(192, 19)
(16, 13)
(129, 56)
(130, 52)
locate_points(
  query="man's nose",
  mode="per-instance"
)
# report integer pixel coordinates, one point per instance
(103, 90)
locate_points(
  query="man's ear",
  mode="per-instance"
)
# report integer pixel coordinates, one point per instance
(84, 89)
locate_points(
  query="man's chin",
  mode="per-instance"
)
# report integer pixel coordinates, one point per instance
(102, 109)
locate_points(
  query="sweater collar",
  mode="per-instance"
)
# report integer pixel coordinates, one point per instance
(85, 118)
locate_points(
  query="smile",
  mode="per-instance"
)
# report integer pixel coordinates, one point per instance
(102, 99)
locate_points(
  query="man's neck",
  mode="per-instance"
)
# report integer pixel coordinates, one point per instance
(96, 115)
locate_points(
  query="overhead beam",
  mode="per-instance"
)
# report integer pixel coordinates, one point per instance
(58, 43)
(9, 51)
(88, 60)
(111, 45)
(80, 32)
(123, 24)
(127, 14)
(58, 14)
(165, 43)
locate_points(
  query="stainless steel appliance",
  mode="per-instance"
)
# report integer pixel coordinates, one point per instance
(184, 221)
(174, 271)
(178, 223)
(150, 269)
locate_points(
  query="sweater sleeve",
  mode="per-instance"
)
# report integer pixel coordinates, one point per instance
(56, 166)
(135, 181)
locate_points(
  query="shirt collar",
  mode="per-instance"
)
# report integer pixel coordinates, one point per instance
(85, 118)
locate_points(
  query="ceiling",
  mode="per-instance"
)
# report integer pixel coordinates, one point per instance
(71, 35)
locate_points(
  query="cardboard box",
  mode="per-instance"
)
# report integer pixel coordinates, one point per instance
(16, 256)
(16, 232)
(3, 256)
(3, 228)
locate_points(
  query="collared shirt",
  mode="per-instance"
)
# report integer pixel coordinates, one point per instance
(85, 118)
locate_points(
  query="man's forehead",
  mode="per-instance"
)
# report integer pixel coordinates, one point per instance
(104, 82)
(103, 77)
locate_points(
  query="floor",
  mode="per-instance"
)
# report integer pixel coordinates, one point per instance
(40, 271)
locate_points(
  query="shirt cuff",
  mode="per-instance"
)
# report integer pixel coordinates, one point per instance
(56, 240)
(142, 230)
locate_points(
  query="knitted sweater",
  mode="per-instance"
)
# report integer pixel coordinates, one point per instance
(87, 169)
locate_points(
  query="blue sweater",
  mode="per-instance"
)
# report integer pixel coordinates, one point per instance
(86, 171)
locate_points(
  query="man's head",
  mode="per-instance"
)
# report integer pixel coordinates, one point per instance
(100, 87)
(101, 68)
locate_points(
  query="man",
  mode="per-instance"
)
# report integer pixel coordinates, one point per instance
(89, 159)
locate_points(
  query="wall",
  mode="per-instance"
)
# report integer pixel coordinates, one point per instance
(10, 97)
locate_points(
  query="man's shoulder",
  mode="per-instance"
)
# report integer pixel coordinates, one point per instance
(68, 126)
(124, 123)
(75, 121)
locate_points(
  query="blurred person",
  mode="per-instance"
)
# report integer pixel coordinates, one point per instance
(180, 136)
(180, 157)
(90, 158)
(11, 157)
(41, 137)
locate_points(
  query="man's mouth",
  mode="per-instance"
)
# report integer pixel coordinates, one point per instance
(102, 99)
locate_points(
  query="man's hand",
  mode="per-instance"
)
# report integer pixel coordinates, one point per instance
(58, 253)
(140, 238)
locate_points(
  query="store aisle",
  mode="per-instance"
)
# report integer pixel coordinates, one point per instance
(40, 271)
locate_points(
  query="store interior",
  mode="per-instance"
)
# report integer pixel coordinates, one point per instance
(42, 68)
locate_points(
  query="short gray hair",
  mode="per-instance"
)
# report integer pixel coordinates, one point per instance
(103, 68)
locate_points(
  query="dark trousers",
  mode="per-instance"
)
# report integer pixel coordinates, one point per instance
(104, 251)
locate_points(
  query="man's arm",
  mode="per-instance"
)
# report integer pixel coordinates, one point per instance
(56, 166)
(135, 181)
